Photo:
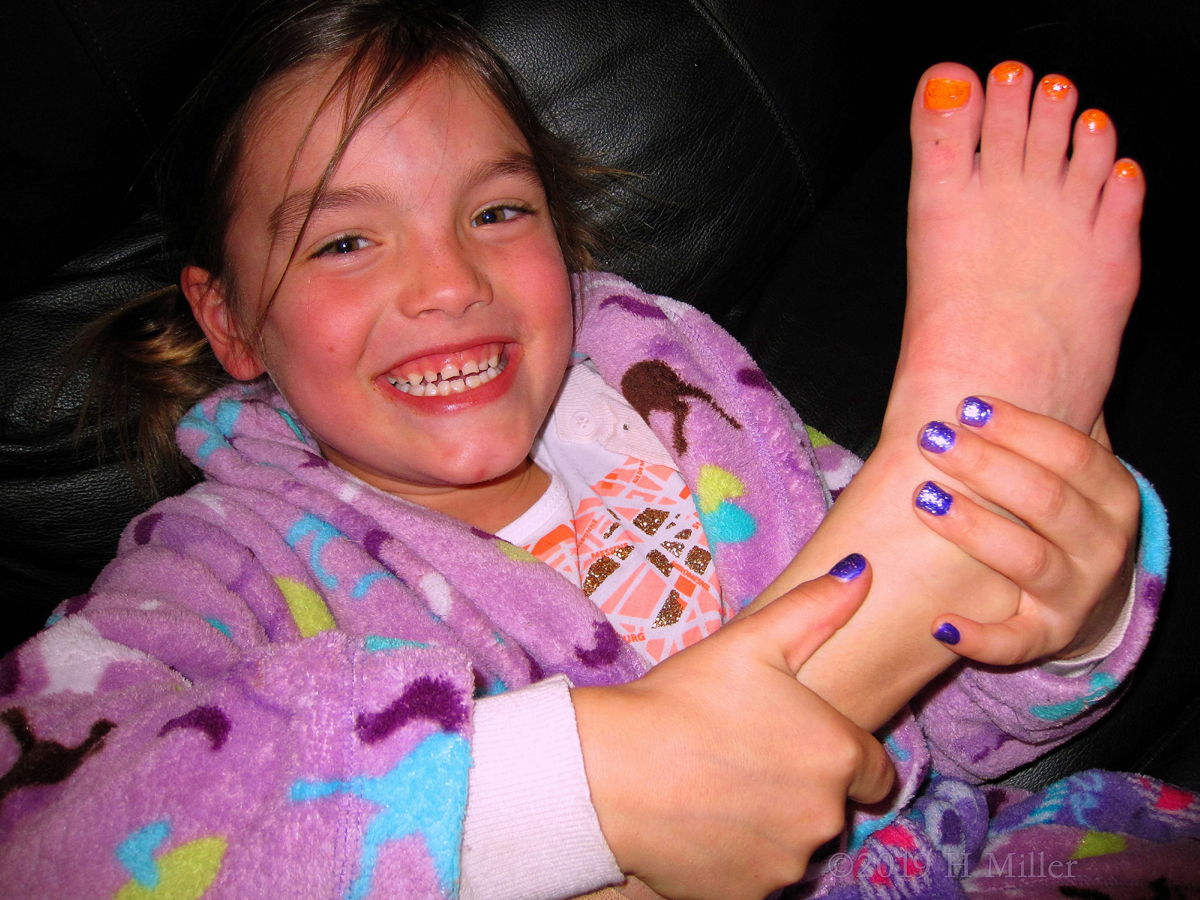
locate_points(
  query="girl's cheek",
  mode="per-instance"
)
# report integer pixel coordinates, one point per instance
(330, 313)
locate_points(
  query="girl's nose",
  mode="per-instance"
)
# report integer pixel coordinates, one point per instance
(445, 279)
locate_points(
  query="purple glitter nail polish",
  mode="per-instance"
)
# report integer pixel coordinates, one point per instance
(934, 500)
(947, 634)
(849, 568)
(975, 412)
(938, 437)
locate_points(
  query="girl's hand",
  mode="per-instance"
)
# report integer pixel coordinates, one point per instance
(1073, 563)
(717, 774)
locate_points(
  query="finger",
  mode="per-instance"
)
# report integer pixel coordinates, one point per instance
(1026, 558)
(875, 774)
(1018, 639)
(1086, 464)
(1036, 495)
(800, 621)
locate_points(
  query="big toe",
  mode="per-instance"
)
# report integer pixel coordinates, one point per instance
(946, 115)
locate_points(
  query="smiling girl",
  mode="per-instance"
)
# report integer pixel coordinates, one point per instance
(339, 667)
(410, 273)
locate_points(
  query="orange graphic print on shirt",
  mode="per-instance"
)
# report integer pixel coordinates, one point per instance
(637, 549)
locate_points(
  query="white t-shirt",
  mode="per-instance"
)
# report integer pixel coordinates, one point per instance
(619, 521)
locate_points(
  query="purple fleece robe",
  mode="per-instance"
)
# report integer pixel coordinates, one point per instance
(268, 692)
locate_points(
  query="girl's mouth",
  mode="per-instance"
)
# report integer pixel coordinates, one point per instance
(443, 374)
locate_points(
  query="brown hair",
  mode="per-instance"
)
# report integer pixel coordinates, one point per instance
(152, 362)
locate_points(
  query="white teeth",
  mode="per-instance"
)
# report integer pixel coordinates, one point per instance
(473, 374)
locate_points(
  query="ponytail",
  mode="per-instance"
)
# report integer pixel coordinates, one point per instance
(150, 364)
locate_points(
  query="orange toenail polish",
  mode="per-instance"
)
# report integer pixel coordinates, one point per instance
(1094, 120)
(1056, 87)
(947, 93)
(1008, 72)
(1127, 168)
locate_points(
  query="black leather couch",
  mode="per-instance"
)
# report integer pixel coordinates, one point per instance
(770, 138)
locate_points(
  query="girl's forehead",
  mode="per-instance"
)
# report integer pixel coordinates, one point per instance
(301, 120)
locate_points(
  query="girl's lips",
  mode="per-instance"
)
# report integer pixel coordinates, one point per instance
(453, 401)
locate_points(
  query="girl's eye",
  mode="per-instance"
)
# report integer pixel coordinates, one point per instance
(494, 215)
(347, 244)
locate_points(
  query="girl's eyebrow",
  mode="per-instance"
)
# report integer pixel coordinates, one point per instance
(516, 163)
(288, 216)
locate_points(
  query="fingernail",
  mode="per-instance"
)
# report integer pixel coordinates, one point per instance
(1094, 120)
(947, 634)
(946, 93)
(975, 412)
(1056, 87)
(849, 568)
(934, 500)
(1008, 72)
(938, 437)
(1127, 168)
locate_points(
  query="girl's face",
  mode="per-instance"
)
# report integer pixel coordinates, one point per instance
(429, 262)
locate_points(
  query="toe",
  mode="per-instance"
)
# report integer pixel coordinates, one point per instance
(1093, 149)
(1050, 128)
(1005, 121)
(945, 125)
(1120, 211)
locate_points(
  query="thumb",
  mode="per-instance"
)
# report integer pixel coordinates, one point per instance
(800, 621)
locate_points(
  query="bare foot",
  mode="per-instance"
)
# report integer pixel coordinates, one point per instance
(1023, 266)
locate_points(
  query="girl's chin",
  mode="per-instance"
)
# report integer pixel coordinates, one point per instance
(485, 464)
(477, 470)
(485, 474)
(455, 455)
